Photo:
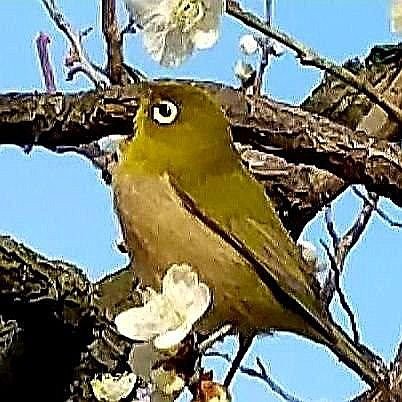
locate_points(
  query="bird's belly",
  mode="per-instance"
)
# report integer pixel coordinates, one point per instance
(161, 232)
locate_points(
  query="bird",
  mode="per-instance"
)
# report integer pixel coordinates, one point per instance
(183, 195)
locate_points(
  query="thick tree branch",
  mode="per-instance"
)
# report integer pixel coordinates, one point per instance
(285, 131)
(58, 338)
(344, 104)
(301, 137)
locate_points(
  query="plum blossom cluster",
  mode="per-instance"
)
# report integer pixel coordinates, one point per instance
(166, 318)
(250, 45)
(173, 29)
(113, 388)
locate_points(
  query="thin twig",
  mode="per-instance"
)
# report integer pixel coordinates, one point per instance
(310, 58)
(342, 298)
(42, 43)
(379, 211)
(245, 342)
(265, 56)
(261, 374)
(214, 337)
(82, 63)
(331, 226)
(343, 245)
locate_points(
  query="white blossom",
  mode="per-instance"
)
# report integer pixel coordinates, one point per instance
(167, 317)
(113, 388)
(248, 44)
(243, 70)
(277, 49)
(396, 16)
(167, 381)
(174, 29)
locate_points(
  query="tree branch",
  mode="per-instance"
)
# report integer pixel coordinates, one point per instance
(310, 58)
(260, 374)
(380, 212)
(51, 330)
(284, 131)
(342, 247)
(42, 43)
(80, 59)
(114, 42)
(336, 285)
(344, 104)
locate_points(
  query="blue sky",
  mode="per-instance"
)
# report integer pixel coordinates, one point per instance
(59, 206)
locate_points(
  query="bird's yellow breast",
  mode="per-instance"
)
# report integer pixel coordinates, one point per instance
(160, 232)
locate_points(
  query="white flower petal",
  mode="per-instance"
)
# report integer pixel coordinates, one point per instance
(113, 388)
(172, 338)
(130, 324)
(172, 30)
(189, 297)
(177, 48)
(143, 10)
(111, 142)
(155, 44)
(143, 323)
(243, 71)
(277, 48)
(214, 11)
(205, 39)
(201, 303)
(167, 381)
(167, 317)
(396, 16)
(248, 44)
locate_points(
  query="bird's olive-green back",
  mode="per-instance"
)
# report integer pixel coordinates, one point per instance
(195, 150)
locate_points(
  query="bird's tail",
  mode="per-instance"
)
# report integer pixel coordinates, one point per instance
(364, 362)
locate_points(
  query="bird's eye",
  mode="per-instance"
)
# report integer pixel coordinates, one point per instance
(164, 112)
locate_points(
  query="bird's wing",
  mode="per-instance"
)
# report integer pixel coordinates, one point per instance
(245, 218)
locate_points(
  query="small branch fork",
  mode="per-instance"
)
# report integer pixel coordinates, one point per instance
(379, 211)
(265, 57)
(116, 71)
(78, 62)
(342, 246)
(260, 374)
(310, 58)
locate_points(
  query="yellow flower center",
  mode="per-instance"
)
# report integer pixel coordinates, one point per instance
(187, 14)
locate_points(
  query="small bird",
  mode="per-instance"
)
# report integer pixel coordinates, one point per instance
(183, 196)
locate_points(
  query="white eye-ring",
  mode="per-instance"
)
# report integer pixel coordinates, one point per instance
(164, 112)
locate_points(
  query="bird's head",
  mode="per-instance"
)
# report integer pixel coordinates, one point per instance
(178, 128)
